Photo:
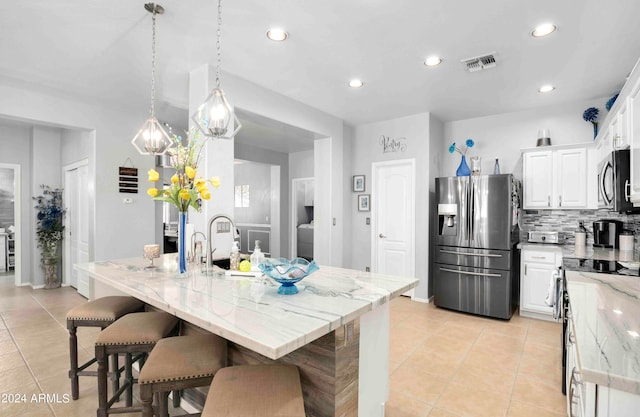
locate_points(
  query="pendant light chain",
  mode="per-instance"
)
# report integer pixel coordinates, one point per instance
(152, 111)
(218, 45)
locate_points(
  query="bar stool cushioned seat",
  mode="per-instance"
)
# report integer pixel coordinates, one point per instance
(97, 313)
(255, 391)
(178, 363)
(133, 333)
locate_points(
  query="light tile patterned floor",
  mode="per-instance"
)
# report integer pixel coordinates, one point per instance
(443, 364)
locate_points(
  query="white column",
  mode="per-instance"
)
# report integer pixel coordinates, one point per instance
(216, 160)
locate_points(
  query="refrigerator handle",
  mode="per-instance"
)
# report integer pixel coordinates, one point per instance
(475, 274)
(487, 255)
(471, 209)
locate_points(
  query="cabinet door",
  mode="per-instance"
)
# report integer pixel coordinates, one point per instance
(537, 179)
(534, 287)
(571, 178)
(615, 403)
(621, 136)
(634, 141)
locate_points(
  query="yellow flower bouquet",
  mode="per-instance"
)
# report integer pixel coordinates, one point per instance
(187, 189)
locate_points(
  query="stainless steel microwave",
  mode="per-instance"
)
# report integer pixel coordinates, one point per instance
(613, 183)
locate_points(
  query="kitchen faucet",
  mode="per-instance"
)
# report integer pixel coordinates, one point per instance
(209, 226)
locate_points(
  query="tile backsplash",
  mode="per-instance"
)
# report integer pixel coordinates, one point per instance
(566, 221)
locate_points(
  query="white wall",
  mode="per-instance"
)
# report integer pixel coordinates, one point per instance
(503, 135)
(258, 177)
(328, 166)
(436, 139)
(365, 150)
(301, 164)
(76, 146)
(15, 148)
(119, 230)
(45, 170)
(265, 156)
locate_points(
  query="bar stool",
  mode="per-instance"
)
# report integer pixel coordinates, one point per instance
(133, 333)
(97, 313)
(178, 363)
(255, 391)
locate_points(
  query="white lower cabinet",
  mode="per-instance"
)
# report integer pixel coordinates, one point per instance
(537, 266)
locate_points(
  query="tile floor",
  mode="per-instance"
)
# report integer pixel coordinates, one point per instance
(443, 364)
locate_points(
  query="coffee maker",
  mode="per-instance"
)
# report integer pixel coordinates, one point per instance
(606, 233)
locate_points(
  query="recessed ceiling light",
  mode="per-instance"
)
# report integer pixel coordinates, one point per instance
(543, 30)
(617, 311)
(546, 89)
(356, 83)
(633, 333)
(277, 34)
(432, 61)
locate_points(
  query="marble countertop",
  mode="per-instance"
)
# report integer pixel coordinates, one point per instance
(585, 252)
(248, 310)
(605, 310)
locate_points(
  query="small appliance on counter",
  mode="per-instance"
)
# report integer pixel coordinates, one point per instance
(540, 236)
(626, 240)
(581, 235)
(606, 233)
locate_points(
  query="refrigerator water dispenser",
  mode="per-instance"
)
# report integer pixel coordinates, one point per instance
(446, 219)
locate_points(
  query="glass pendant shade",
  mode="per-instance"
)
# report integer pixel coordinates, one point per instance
(214, 117)
(152, 139)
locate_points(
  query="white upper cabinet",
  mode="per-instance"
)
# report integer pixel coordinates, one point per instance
(571, 177)
(538, 179)
(621, 130)
(559, 178)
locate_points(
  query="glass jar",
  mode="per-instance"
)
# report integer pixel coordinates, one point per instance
(476, 163)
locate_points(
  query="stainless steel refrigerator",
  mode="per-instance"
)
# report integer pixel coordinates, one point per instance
(476, 265)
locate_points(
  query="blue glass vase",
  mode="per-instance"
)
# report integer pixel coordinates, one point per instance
(182, 249)
(463, 170)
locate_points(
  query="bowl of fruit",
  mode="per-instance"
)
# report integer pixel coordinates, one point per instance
(287, 272)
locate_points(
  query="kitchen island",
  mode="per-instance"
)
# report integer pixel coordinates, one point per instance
(605, 328)
(336, 329)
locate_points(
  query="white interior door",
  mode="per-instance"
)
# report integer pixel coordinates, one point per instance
(76, 224)
(393, 214)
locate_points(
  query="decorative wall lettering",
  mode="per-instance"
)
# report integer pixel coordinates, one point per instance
(393, 145)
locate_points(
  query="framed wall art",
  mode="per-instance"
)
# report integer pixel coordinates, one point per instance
(364, 203)
(358, 183)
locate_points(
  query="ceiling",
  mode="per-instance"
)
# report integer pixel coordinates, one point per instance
(103, 49)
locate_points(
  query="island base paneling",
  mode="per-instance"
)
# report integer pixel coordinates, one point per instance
(328, 370)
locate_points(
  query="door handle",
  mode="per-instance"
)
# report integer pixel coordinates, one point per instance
(548, 201)
(381, 236)
(627, 191)
(559, 201)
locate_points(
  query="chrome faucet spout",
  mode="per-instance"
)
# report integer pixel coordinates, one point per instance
(233, 230)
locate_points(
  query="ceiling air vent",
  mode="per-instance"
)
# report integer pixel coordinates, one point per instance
(480, 62)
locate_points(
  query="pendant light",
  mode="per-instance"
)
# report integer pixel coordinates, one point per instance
(213, 118)
(152, 139)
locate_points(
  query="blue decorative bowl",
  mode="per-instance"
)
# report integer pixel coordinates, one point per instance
(287, 272)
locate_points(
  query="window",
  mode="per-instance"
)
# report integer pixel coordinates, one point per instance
(242, 195)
